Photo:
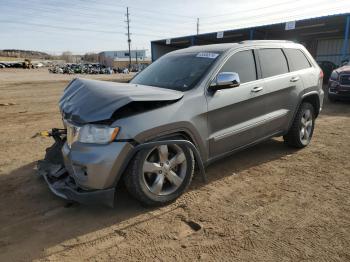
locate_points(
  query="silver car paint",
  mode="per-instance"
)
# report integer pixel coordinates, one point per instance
(95, 166)
(217, 123)
(87, 100)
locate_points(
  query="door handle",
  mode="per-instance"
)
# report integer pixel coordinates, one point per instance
(257, 89)
(294, 79)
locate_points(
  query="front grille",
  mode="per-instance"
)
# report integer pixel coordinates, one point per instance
(345, 79)
(72, 133)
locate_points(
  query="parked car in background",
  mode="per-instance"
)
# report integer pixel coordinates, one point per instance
(339, 84)
(327, 68)
(190, 107)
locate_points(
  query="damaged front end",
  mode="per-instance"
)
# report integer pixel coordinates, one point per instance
(89, 156)
(60, 182)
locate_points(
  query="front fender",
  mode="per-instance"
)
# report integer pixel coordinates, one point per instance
(148, 145)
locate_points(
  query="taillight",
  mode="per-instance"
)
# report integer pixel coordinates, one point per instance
(321, 74)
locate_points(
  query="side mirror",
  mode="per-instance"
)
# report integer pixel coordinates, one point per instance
(225, 80)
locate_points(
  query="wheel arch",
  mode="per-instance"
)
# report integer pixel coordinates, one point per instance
(179, 135)
(314, 99)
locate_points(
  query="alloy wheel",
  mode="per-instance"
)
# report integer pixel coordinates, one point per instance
(164, 169)
(306, 127)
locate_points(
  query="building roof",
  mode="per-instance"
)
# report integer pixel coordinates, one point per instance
(141, 59)
(126, 51)
(305, 29)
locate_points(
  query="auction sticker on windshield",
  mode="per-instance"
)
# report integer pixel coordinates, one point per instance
(207, 55)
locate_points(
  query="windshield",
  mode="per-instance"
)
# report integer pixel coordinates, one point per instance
(176, 71)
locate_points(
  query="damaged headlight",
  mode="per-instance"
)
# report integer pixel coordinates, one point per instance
(97, 134)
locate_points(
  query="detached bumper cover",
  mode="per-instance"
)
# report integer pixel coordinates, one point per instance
(64, 186)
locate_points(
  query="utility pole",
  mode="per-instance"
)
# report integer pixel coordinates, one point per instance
(197, 26)
(129, 40)
(136, 56)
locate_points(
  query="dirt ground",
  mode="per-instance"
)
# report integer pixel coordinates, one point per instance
(267, 203)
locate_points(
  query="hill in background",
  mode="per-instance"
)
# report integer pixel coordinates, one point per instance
(14, 53)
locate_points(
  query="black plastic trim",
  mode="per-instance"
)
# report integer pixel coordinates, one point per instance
(158, 143)
(95, 197)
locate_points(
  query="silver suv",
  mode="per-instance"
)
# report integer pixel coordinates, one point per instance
(189, 108)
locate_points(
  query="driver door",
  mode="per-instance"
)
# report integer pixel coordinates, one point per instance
(235, 114)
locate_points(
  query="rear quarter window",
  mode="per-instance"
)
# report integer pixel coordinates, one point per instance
(273, 62)
(297, 59)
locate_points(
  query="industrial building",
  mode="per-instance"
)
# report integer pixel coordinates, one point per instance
(326, 38)
(121, 58)
(122, 54)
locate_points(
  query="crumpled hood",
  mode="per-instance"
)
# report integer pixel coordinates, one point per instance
(85, 101)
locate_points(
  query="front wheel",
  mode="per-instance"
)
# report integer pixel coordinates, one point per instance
(300, 133)
(159, 175)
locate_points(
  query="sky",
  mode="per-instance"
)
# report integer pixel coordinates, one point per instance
(81, 26)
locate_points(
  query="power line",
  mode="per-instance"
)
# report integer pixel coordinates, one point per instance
(75, 19)
(142, 10)
(250, 9)
(141, 21)
(273, 12)
(268, 21)
(87, 18)
(75, 28)
(111, 9)
(46, 9)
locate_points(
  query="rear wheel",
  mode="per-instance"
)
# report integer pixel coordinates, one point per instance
(159, 175)
(300, 133)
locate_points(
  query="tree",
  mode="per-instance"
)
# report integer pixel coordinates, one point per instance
(91, 57)
(67, 56)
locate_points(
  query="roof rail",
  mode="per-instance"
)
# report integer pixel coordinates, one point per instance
(265, 41)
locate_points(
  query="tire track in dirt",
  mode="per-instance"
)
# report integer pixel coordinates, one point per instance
(266, 203)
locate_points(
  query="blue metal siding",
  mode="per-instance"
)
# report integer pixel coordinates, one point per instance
(331, 50)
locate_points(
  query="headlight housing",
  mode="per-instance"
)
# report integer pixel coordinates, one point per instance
(97, 134)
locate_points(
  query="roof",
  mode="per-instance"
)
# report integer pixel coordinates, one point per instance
(132, 50)
(325, 26)
(226, 46)
(123, 59)
(208, 48)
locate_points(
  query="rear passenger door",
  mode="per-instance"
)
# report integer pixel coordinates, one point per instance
(280, 85)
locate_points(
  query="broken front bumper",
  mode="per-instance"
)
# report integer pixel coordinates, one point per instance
(88, 173)
(62, 184)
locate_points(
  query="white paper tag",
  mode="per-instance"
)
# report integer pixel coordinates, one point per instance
(220, 34)
(207, 55)
(290, 25)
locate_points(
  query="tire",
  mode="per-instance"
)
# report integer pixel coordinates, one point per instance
(302, 128)
(150, 177)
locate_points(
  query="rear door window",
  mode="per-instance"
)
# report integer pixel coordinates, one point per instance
(273, 62)
(242, 63)
(297, 59)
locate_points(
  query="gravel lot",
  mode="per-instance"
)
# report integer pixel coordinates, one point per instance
(267, 203)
